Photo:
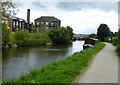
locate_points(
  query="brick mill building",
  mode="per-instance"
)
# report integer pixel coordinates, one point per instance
(48, 22)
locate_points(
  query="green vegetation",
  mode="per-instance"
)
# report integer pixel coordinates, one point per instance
(5, 35)
(103, 32)
(23, 38)
(61, 35)
(62, 71)
(114, 41)
(93, 36)
(70, 31)
(118, 43)
(6, 8)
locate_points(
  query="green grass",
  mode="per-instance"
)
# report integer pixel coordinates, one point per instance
(62, 71)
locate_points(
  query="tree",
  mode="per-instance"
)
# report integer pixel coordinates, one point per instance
(8, 8)
(70, 31)
(60, 35)
(103, 31)
(5, 35)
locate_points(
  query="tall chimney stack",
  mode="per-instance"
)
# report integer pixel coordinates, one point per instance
(28, 15)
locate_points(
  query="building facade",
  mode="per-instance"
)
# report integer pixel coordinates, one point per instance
(16, 24)
(47, 22)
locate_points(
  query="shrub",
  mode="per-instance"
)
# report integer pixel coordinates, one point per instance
(5, 34)
(23, 38)
(37, 39)
(60, 35)
(118, 43)
(118, 50)
(93, 36)
(12, 40)
(114, 41)
(106, 39)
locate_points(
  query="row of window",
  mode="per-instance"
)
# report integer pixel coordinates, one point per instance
(46, 23)
(21, 24)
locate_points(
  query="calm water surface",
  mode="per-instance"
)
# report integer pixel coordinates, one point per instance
(20, 60)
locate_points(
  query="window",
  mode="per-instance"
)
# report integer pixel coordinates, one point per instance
(55, 24)
(37, 23)
(42, 22)
(52, 23)
(47, 23)
(17, 23)
(13, 23)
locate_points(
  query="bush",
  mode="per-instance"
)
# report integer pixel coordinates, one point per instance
(5, 34)
(118, 50)
(12, 40)
(37, 39)
(114, 41)
(118, 43)
(23, 38)
(106, 39)
(60, 35)
(93, 36)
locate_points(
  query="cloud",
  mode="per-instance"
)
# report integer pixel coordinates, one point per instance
(88, 20)
(38, 5)
(19, 4)
(76, 6)
(82, 17)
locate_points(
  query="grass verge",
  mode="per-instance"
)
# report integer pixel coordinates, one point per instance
(62, 71)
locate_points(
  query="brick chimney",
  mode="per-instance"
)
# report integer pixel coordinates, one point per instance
(28, 15)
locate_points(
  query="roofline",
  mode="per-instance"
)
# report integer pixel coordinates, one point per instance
(47, 17)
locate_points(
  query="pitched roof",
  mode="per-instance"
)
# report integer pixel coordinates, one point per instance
(48, 17)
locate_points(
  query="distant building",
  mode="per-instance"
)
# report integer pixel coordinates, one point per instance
(48, 22)
(15, 23)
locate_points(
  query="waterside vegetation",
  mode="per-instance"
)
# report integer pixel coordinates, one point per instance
(61, 35)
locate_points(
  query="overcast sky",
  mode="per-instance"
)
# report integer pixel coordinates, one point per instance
(83, 17)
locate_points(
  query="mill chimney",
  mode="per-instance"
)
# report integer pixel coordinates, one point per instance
(28, 15)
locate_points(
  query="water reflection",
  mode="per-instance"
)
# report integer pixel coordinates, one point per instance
(18, 60)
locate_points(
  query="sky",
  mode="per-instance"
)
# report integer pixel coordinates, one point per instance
(83, 17)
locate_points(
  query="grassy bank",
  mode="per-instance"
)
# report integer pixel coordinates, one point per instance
(62, 71)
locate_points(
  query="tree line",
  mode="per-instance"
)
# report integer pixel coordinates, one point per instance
(60, 35)
(104, 34)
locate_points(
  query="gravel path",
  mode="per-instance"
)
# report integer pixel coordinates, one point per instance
(103, 69)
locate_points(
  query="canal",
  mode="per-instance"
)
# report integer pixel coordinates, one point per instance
(21, 60)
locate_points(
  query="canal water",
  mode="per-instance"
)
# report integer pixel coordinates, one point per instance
(21, 60)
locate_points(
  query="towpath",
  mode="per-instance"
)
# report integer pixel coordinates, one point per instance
(103, 69)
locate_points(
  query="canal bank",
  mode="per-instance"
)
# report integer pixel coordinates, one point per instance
(62, 71)
(21, 60)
